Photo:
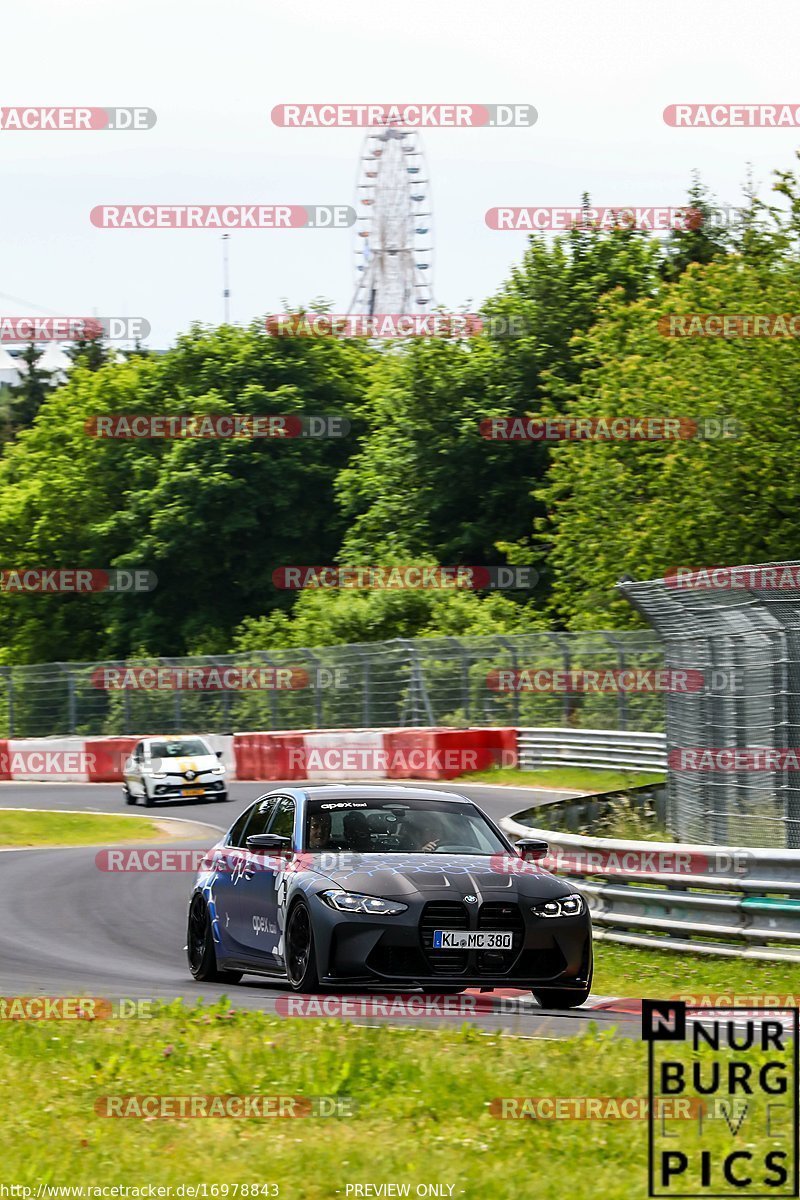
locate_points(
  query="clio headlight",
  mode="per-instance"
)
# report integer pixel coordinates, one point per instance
(355, 902)
(564, 906)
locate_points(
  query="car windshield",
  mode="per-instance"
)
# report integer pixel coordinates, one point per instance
(373, 826)
(179, 748)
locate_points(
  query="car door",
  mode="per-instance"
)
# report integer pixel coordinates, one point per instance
(133, 771)
(250, 878)
(262, 892)
(227, 866)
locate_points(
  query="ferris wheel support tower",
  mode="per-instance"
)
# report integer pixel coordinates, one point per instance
(394, 225)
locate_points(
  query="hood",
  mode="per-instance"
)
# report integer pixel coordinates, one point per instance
(441, 877)
(178, 766)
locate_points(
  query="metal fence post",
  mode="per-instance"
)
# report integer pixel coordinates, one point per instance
(509, 645)
(10, 697)
(622, 699)
(366, 666)
(569, 699)
(312, 658)
(71, 700)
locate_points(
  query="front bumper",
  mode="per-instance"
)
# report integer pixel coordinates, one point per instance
(181, 789)
(398, 951)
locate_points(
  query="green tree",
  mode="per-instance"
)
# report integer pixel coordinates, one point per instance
(28, 396)
(212, 518)
(91, 353)
(426, 481)
(642, 509)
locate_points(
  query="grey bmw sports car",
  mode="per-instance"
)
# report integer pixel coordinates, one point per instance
(385, 887)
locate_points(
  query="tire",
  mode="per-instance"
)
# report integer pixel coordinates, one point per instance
(200, 947)
(129, 799)
(561, 997)
(148, 799)
(301, 962)
(223, 797)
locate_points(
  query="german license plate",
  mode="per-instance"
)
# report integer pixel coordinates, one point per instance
(458, 939)
(191, 791)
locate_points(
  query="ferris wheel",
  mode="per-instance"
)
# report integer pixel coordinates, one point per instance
(394, 225)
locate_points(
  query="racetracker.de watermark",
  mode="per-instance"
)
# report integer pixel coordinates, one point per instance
(633, 863)
(222, 426)
(72, 329)
(242, 1106)
(447, 325)
(405, 578)
(732, 116)
(782, 577)
(546, 679)
(74, 1008)
(653, 218)
(48, 764)
(49, 119)
(730, 325)
(606, 429)
(399, 1005)
(223, 216)
(405, 116)
(77, 580)
(201, 679)
(594, 1108)
(733, 758)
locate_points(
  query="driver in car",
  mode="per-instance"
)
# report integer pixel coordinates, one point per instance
(319, 831)
(357, 833)
(429, 833)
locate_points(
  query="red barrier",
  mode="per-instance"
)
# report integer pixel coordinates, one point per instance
(270, 756)
(5, 764)
(448, 753)
(105, 758)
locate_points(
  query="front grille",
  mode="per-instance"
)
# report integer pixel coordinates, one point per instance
(501, 916)
(448, 914)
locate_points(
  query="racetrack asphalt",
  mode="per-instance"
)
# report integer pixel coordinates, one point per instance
(71, 929)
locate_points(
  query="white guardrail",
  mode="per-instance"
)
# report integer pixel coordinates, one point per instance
(671, 896)
(543, 747)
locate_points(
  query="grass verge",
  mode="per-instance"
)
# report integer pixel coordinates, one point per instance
(577, 779)
(629, 971)
(72, 829)
(422, 1100)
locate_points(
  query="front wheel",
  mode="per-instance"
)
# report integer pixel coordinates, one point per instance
(148, 799)
(200, 947)
(301, 963)
(129, 799)
(561, 997)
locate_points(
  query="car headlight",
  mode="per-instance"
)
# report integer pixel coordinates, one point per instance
(355, 902)
(564, 906)
(217, 770)
(159, 774)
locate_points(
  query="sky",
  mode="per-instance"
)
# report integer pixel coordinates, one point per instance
(599, 75)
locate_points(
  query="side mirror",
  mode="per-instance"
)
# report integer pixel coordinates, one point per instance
(268, 841)
(128, 765)
(219, 754)
(532, 849)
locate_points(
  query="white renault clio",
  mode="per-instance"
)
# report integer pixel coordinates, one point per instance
(170, 768)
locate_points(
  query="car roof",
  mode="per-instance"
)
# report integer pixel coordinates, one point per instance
(173, 737)
(360, 791)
